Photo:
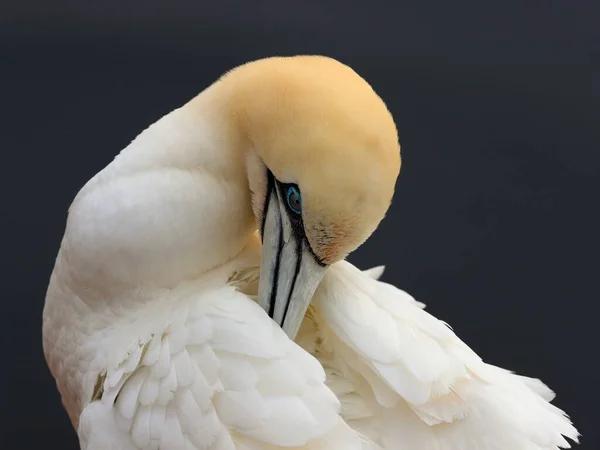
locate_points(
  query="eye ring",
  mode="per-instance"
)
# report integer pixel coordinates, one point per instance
(294, 199)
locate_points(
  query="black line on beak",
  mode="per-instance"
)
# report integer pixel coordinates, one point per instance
(274, 286)
(298, 231)
(270, 189)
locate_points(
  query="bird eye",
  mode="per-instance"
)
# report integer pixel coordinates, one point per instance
(294, 199)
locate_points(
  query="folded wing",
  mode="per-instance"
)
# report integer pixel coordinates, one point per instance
(408, 382)
(221, 376)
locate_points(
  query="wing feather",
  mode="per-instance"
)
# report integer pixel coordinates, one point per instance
(423, 387)
(224, 377)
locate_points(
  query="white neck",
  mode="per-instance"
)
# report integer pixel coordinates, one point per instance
(174, 204)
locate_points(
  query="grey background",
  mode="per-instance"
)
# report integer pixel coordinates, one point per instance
(495, 220)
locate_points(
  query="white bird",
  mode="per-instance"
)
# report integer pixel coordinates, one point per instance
(162, 332)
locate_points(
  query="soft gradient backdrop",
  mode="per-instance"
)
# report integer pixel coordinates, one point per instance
(495, 222)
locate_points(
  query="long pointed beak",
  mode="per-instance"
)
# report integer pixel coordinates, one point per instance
(289, 272)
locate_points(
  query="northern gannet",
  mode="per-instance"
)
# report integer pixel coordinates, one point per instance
(162, 332)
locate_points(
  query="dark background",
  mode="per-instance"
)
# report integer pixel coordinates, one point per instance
(495, 221)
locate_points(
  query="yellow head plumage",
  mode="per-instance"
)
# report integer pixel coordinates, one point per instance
(315, 122)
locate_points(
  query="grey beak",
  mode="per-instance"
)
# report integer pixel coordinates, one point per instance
(289, 271)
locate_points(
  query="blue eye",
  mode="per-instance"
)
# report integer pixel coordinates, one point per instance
(294, 199)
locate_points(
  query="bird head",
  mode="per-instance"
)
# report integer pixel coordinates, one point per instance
(322, 166)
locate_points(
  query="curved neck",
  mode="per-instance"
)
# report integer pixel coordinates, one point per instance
(173, 204)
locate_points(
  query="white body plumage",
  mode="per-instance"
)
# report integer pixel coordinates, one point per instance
(153, 334)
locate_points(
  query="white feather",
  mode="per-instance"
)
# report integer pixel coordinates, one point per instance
(267, 393)
(155, 341)
(446, 397)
